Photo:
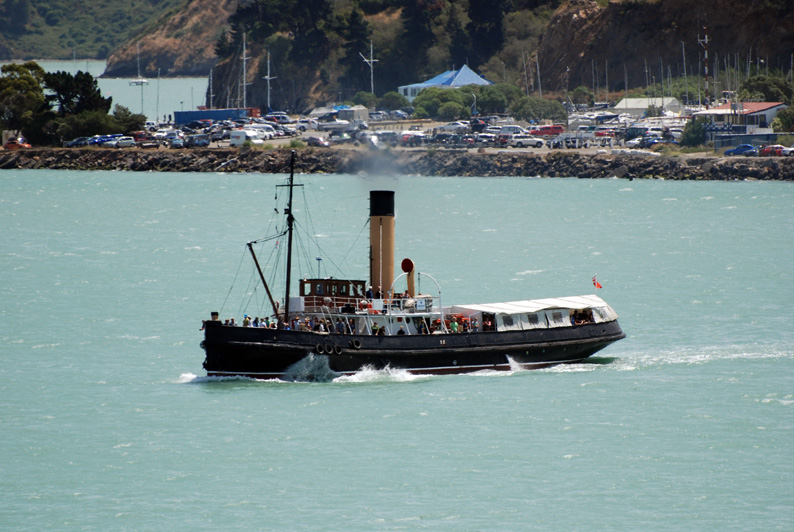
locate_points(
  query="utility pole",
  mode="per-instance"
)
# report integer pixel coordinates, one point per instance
(537, 65)
(705, 44)
(245, 76)
(268, 78)
(686, 85)
(211, 95)
(371, 62)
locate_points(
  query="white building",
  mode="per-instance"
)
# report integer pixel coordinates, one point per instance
(756, 117)
(638, 106)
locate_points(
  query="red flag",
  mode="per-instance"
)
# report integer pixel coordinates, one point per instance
(596, 284)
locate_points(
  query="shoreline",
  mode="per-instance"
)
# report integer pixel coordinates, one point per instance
(424, 161)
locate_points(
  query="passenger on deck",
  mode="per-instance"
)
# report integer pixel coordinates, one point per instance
(369, 293)
(401, 331)
(475, 325)
(379, 293)
(453, 325)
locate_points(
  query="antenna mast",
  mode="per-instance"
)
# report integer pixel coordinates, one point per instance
(268, 78)
(370, 62)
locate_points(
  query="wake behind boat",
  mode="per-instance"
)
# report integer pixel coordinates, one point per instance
(350, 326)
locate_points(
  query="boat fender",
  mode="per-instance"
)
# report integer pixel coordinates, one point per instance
(319, 349)
(338, 349)
(329, 348)
(355, 343)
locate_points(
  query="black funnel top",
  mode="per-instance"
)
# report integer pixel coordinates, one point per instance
(381, 203)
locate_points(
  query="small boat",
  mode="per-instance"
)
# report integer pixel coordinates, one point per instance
(140, 80)
(342, 326)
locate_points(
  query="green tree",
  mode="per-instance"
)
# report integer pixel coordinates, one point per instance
(87, 124)
(581, 95)
(694, 133)
(418, 18)
(766, 88)
(355, 32)
(75, 94)
(366, 98)
(21, 96)
(784, 121)
(393, 100)
(486, 29)
(535, 109)
(451, 111)
(654, 111)
(126, 120)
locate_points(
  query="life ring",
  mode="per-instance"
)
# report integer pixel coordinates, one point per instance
(338, 349)
(319, 349)
(355, 343)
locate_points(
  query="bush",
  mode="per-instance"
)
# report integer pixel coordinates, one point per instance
(694, 133)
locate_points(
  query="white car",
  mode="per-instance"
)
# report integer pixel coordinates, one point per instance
(521, 140)
(634, 143)
(788, 152)
(304, 124)
(453, 127)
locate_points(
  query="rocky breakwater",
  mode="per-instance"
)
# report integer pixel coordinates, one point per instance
(430, 162)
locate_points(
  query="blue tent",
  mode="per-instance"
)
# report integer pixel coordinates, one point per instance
(448, 80)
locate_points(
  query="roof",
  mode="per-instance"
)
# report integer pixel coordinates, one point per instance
(535, 305)
(740, 108)
(453, 78)
(644, 103)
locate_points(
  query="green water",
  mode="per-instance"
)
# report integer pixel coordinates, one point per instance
(108, 423)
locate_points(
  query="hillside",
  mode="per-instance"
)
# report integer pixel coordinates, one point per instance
(61, 29)
(181, 45)
(583, 39)
(315, 46)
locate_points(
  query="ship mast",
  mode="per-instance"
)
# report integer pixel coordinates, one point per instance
(290, 223)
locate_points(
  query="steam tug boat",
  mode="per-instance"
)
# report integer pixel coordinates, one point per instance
(412, 331)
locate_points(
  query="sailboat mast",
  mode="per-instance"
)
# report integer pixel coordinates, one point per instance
(290, 222)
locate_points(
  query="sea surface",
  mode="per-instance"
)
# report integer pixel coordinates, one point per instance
(108, 421)
(157, 100)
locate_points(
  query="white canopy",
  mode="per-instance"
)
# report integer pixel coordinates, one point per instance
(540, 313)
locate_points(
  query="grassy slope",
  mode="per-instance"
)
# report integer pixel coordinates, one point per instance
(58, 28)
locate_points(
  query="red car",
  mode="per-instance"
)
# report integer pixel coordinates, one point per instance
(773, 150)
(15, 144)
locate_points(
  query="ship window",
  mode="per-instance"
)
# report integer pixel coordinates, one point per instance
(318, 290)
(343, 289)
(507, 320)
(533, 319)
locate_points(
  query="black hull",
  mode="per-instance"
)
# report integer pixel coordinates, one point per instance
(269, 353)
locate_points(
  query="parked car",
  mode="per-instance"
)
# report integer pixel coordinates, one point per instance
(633, 143)
(305, 124)
(773, 150)
(521, 140)
(317, 142)
(199, 140)
(657, 141)
(76, 143)
(121, 142)
(176, 142)
(788, 152)
(15, 144)
(547, 131)
(747, 150)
